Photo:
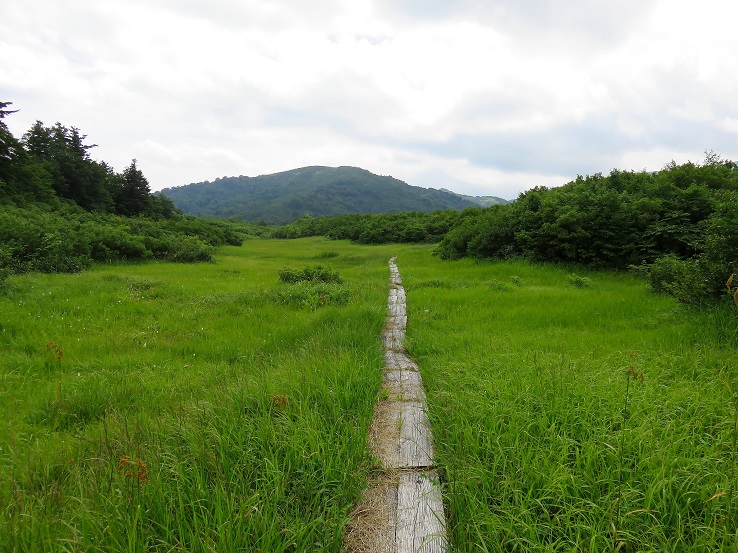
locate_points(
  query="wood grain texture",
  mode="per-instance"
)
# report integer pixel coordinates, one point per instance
(400, 438)
(404, 385)
(421, 526)
(416, 448)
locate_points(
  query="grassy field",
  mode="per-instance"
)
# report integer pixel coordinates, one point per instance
(190, 407)
(214, 408)
(575, 412)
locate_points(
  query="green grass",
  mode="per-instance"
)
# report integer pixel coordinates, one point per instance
(194, 407)
(214, 408)
(526, 368)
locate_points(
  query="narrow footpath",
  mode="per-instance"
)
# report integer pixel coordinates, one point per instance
(402, 511)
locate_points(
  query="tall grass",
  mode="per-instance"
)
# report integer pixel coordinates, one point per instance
(546, 441)
(197, 408)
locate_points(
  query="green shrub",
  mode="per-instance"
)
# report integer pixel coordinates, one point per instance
(578, 281)
(191, 250)
(326, 255)
(116, 243)
(691, 281)
(309, 274)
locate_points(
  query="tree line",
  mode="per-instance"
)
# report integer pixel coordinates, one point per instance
(60, 210)
(678, 227)
(386, 228)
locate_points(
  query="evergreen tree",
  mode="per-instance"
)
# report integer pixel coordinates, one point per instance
(9, 146)
(133, 198)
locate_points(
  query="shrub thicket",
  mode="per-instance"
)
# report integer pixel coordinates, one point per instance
(678, 226)
(60, 210)
(309, 274)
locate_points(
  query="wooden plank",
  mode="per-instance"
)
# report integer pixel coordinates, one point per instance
(404, 441)
(399, 360)
(421, 526)
(396, 360)
(416, 448)
(405, 362)
(404, 385)
(397, 309)
(393, 340)
(391, 361)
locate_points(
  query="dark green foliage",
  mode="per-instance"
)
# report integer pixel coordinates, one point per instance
(309, 274)
(316, 191)
(38, 238)
(678, 226)
(61, 210)
(132, 197)
(410, 227)
(482, 201)
(190, 249)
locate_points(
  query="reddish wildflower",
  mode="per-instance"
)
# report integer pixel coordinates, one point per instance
(280, 402)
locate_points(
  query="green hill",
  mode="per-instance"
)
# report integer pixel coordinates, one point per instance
(484, 201)
(284, 197)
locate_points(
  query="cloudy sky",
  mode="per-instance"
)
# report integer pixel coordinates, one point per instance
(478, 96)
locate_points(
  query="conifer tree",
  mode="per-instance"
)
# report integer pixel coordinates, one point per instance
(134, 193)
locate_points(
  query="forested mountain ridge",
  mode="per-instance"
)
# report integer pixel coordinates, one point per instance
(283, 197)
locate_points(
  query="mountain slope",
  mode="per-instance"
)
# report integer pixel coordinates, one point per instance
(484, 201)
(283, 197)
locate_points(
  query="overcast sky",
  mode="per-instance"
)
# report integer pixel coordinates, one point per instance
(479, 96)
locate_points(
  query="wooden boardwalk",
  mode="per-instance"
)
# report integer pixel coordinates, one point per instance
(406, 512)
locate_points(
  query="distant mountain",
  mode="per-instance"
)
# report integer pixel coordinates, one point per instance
(283, 197)
(484, 201)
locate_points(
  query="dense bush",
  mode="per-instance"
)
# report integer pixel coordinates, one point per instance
(60, 210)
(190, 249)
(309, 274)
(679, 226)
(67, 239)
(410, 227)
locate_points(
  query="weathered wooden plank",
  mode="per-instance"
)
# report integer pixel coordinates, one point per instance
(415, 446)
(401, 322)
(384, 433)
(404, 385)
(392, 341)
(401, 439)
(395, 360)
(421, 526)
(390, 359)
(397, 309)
(406, 363)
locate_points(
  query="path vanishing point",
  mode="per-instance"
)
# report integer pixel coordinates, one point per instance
(402, 511)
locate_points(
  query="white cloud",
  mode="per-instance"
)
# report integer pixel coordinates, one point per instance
(490, 95)
(729, 124)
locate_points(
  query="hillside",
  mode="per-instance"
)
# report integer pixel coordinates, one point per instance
(484, 201)
(283, 197)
